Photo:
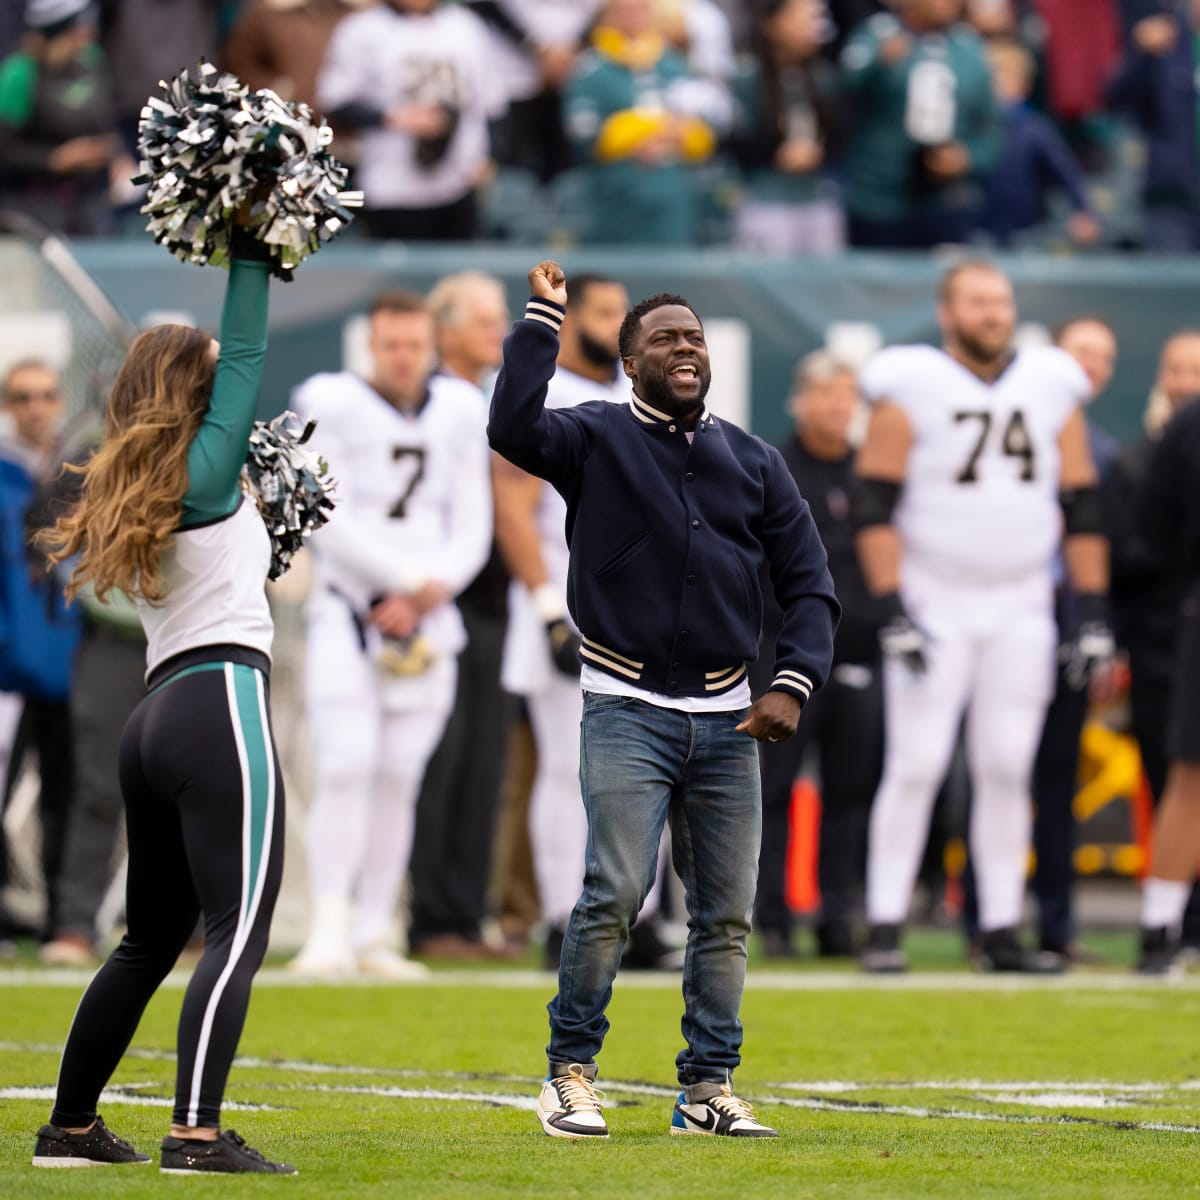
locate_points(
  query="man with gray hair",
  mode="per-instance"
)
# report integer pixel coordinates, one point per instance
(843, 722)
(456, 812)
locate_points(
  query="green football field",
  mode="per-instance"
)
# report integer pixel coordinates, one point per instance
(942, 1083)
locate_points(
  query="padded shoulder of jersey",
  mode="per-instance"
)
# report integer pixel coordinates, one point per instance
(462, 394)
(323, 394)
(1058, 366)
(889, 374)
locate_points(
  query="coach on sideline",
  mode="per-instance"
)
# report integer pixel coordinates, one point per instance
(670, 514)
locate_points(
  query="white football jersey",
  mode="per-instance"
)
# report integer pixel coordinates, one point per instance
(527, 666)
(980, 496)
(414, 500)
(387, 59)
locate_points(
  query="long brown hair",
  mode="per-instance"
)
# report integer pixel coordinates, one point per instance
(133, 486)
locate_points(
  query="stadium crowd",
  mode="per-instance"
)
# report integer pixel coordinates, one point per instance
(797, 126)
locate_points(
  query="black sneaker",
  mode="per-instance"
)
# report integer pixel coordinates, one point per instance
(1160, 953)
(882, 954)
(835, 939)
(228, 1155)
(99, 1147)
(999, 950)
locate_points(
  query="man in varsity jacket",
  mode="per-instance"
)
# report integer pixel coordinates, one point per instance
(670, 513)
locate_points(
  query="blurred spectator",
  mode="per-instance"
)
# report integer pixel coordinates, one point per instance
(787, 131)
(413, 77)
(924, 129)
(456, 812)
(1145, 590)
(1156, 86)
(149, 40)
(38, 634)
(844, 720)
(992, 18)
(107, 683)
(59, 151)
(1033, 160)
(842, 18)
(534, 46)
(632, 116)
(700, 30)
(281, 44)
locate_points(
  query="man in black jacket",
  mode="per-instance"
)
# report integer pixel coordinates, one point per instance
(670, 514)
(845, 721)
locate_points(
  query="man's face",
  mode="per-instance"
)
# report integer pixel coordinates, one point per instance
(1094, 347)
(597, 319)
(34, 400)
(1179, 369)
(478, 338)
(414, 6)
(933, 14)
(826, 407)
(402, 346)
(631, 17)
(669, 365)
(980, 313)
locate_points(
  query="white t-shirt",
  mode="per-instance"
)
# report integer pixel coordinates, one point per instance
(980, 496)
(385, 59)
(550, 23)
(413, 491)
(215, 576)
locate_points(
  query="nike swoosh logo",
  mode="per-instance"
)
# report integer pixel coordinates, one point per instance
(709, 1122)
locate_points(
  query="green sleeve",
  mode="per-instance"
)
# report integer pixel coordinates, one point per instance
(981, 118)
(18, 80)
(216, 455)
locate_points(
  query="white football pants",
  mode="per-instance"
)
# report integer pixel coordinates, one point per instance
(372, 738)
(992, 655)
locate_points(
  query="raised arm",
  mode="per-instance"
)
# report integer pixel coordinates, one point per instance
(217, 452)
(548, 443)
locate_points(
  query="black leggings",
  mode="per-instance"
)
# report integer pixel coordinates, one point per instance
(204, 810)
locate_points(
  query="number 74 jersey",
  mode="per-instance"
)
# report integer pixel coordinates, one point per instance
(980, 497)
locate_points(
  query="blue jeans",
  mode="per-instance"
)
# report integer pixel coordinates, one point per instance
(640, 765)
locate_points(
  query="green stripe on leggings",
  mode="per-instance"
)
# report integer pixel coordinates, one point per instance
(254, 737)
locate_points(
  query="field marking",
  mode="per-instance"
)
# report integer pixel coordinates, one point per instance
(128, 1094)
(765, 980)
(1048, 1094)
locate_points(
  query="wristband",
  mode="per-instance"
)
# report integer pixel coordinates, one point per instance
(548, 602)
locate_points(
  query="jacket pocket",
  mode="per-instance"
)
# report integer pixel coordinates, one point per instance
(620, 557)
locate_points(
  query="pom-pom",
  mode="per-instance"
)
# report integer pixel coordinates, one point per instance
(210, 146)
(290, 484)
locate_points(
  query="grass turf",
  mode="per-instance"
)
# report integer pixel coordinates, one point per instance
(385, 1122)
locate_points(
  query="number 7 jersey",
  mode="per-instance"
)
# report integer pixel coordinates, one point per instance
(980, 497)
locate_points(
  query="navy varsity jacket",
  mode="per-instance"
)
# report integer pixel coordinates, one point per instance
(667, 537)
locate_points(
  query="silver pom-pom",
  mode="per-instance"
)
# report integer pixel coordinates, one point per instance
(290, 484)
(209, 145)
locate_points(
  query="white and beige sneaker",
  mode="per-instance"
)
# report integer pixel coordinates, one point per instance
(383, 962)
(714, 1110)
(569, 1106)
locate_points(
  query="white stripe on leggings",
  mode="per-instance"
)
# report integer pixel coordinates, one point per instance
(248, 911)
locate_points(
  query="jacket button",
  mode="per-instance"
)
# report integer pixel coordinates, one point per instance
(690, 476)
(695, 524)
(671, 428)
(691, 579)
(674, 666)
(684, 635)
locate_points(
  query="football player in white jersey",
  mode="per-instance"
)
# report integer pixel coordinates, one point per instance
(541, 652)
(413, 528)
(975, 469)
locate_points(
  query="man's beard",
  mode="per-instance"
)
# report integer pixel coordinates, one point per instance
(981, 351)
(596, 352)
(655, 390)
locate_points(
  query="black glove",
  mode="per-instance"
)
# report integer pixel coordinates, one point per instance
(431, 150)
(900, 637)
(564, 647)
(1093, 647)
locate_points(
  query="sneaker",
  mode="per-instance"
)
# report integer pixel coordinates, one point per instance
(384, 963)
(99, 1147)
(1160, 953)
(228, 1155)
(569, 1106)
(999, 950)
(882, 954)
(67, 950)
(835, 939)
(777, 943)
(715, 1111)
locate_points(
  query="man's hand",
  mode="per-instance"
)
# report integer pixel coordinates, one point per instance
(1093, 649)
(395, 616)
(901, 638)
(1155, 35)
(555, 64)
(421, 120)
(772, 718)
(894, 49)
(547, 282)
(429, 596)
(564, 647)
(951, 161)
(799, 156)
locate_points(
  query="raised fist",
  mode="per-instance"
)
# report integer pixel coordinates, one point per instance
(547, 282)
